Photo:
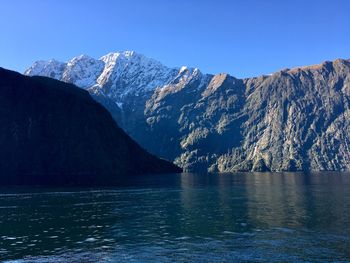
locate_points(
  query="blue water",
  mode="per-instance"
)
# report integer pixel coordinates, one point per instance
(252, 217)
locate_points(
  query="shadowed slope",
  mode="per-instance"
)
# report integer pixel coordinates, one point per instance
(55, 133)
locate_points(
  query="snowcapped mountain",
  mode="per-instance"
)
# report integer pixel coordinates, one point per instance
(115, 75)
(82, 71)
(291, 120)
(51, 68)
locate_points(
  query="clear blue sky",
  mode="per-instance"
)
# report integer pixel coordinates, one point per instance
(241, 37)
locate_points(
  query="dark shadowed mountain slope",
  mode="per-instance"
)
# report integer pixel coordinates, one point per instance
(54, 133)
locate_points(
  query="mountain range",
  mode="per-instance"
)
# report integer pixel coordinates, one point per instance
(294, 119)
(54, 133)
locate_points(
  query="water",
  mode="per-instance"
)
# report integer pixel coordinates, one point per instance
(183, 218)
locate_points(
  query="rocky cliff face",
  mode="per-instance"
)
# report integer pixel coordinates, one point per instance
(295, 119)
(290, 120)
(53, 133)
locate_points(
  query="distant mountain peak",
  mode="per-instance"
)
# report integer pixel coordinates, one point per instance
(116, 74)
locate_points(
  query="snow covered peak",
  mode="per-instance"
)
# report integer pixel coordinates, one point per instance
(51, 68)
(116, 75)
(110, 58)
(128, 73)
(186, 74)
(80, 58)
(128, 56)
(82, 71)
(182, 69)
(129, 53)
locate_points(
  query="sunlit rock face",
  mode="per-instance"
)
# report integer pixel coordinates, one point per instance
(294, 119)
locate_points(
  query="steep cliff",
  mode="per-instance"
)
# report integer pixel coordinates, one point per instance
(54, 133)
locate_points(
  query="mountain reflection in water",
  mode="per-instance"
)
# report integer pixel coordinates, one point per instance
(184, 217)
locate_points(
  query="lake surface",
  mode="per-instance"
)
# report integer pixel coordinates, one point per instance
(259, 217)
